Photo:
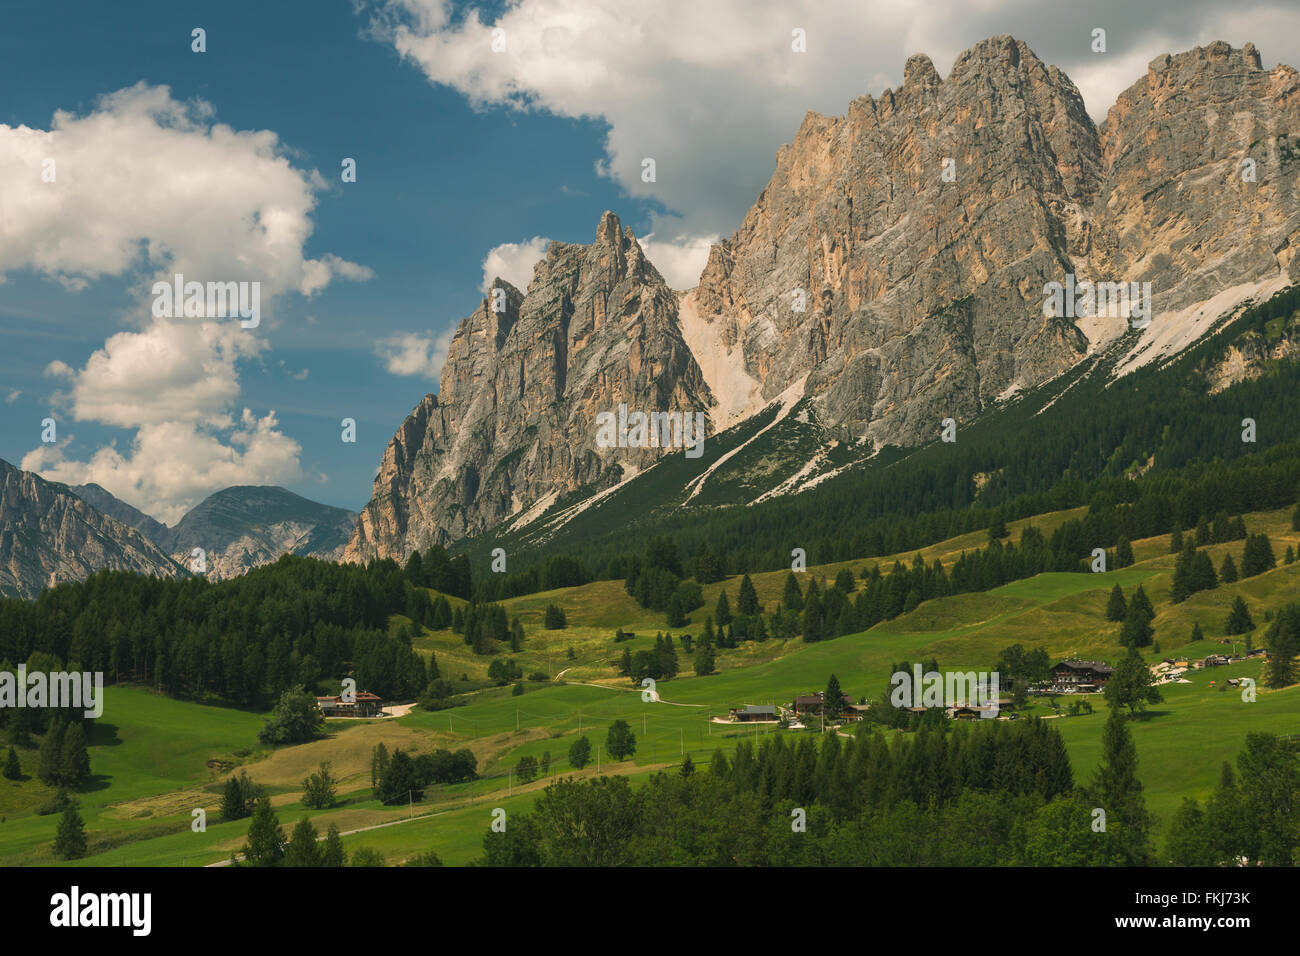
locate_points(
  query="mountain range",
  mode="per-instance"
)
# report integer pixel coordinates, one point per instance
(50, 532)
(889, 282)
(892, 275)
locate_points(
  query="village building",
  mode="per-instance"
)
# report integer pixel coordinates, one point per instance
(1080, 677)
(751, 713)
(365, 704)
(812, 703)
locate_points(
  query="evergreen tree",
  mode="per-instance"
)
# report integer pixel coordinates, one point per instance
(1196, 632)
(792, 599)
(1123, 553)
(722, 614)
(1143, 603)
(302, 849)
(1118, 791)
(1239, 621)
(378, 764)
(833, 699)
(13, 769)
(555, 619)
(1116, 607)
(1283, 641)
(70, 838)
(75, 760)
(688, 766)
(332, 852)
(238, 797)
(1258, 557)
(813, 622)
(1176, 541)
(319, 789)
(49, 760)
(1228, 570)
(265, 843)
(705, 662)
(1188, 842)
(747, 601)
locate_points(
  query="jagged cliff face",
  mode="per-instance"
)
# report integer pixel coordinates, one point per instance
(514, 423)
(48, 536)
(893, 271)
(1174, 207)
(925, 297)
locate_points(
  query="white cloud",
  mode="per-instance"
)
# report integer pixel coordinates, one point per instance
(172, 466)
(680, 261)
(710, 90)
(13, 396)
(513, 261)
(148, 182)
(417, 354)
(145, 186)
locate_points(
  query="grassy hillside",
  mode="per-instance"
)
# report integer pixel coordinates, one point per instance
(156, 759)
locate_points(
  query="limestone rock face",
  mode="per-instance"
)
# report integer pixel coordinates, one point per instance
(924, 291)
(893, 271)
(514, 424)
(921, 228)
(1202, 186)
(49, 536)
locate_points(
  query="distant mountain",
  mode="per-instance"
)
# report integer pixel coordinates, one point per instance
(242, 527)
(102, 501)
(50, 535)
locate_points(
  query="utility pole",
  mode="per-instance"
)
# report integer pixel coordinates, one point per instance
(682, 731)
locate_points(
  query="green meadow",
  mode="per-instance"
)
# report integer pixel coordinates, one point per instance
(155, 760)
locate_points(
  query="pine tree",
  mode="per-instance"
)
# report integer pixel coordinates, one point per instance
(70, 838)
(302, 849)
(332, 852)
(722, 614)
(1141, 601)
(688, 766)
(1117, 607)
(75, 760)
(13, 769)
(49, 760)
(747, 600)
(792, 599)
(1176, 541)
(704, 660)
(1239, 620)
(1196, 632)
(833, 698)
(625, 663)
(1119, 792)
(1123, 553)
(1283, 642)
(1228, 570)
(265, 843)
(1259, 556)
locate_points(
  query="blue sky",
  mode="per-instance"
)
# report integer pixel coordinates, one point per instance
(439, 184)
(227, 162)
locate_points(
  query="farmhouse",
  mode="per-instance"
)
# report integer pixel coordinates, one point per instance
(812, 703)
(750, 713)
(1081, 673)
(366, 704)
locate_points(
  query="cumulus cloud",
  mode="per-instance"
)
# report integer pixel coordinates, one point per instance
(144, 186)
(710, 90)
(679, 261)
(417, 354)
(171, 466)
(513, 261)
